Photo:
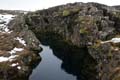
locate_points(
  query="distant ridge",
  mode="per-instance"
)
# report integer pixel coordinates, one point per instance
(13, 12)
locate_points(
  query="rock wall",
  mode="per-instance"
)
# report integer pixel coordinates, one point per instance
(90, 25)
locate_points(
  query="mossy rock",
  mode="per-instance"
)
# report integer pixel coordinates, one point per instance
(66, 13)
(83, 31)
(75, 10)
(116, 14)
(96, 46)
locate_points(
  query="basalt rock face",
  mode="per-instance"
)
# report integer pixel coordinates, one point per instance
(18, 53)
(78, 23)
(90, 25)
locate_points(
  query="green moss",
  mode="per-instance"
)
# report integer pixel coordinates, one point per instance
(83, 31)
(87, 23)
(66, 13)
(75, 10)
(95, 46)
(86, 20)
(116, 14)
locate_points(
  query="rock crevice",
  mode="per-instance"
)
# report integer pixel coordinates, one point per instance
(84, 25)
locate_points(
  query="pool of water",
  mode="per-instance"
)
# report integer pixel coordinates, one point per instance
(50, 67)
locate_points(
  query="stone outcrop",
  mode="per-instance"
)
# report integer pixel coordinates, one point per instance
(90, 25)
(18, 50)
(93, 26)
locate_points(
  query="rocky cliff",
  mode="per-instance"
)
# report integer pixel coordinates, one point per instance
(93, 26)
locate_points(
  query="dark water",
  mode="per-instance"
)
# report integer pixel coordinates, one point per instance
(50, 67)
(63, 61)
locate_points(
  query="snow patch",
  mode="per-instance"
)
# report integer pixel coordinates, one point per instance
(4, 20)
(3, 59)
(21, 40)
(19, 67)
(14, 64)
(116, 49)
(113, 40)
(15, 50)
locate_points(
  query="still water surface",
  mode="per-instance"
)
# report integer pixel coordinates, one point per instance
(50, 67)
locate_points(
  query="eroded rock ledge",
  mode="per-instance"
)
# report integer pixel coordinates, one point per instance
(90, 25)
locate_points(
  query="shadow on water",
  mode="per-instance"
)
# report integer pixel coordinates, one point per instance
(76, 61)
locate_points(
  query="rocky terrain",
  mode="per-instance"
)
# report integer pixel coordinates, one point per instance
(91, 25)
(16, 56)
(88, 26)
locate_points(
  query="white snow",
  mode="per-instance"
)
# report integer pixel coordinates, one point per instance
(3, 59)
(19, 67)
(116, 49)
(113, 40)
(10, 58)
(14, 64)
(4, 20)
(15, 50)
(21, 40)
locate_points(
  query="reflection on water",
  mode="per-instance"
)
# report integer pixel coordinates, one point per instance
(49, 67)
(63, 61)
(76, 61)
